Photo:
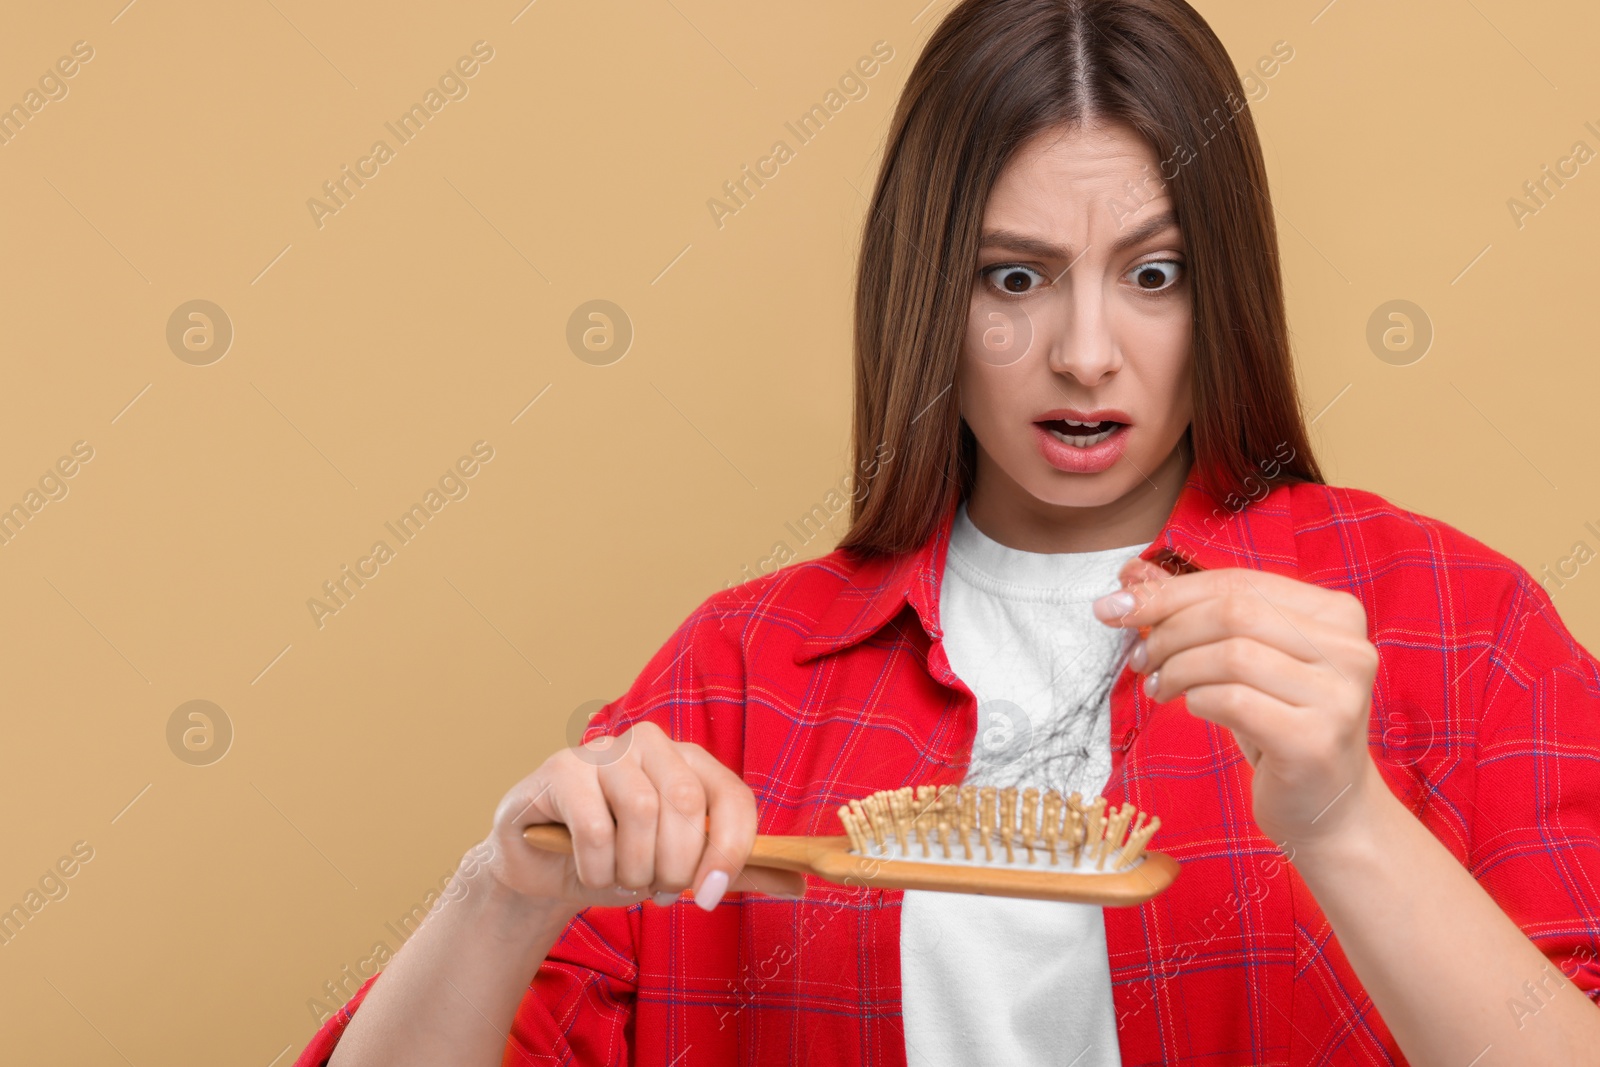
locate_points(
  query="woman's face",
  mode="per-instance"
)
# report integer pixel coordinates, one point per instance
(1080, 314)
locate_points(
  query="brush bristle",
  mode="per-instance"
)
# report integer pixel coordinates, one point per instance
(967, 824)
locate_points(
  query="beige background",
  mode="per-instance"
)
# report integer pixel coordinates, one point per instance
(426, 314)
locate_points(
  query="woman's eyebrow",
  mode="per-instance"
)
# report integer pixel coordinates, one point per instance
(1021, 242)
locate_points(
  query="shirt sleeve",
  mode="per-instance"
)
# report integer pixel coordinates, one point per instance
(1535, 819)
(577, 1010)
(579, 1007)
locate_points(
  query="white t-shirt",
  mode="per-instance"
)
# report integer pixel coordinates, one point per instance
(991, 981)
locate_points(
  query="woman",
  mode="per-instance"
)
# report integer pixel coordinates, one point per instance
(1372, 743)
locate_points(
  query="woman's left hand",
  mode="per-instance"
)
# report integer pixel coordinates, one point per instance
(1283, 664)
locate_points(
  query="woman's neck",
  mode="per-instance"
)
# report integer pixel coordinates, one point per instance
(1009, 514)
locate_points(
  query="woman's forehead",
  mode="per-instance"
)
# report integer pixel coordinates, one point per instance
(1063, 224)
(1081, 151)
(1077, 181)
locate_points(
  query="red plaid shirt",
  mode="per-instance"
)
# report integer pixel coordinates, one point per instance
(827, 680)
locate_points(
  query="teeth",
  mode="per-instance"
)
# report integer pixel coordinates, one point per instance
(1070, 422)
(1082, 442)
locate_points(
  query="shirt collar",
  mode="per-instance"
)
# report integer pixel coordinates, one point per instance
(1201, 533)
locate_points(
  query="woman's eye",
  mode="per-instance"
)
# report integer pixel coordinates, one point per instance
(1010, 278)
(1156, 275)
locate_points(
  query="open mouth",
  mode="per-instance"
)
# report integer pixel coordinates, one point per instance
(1080, 434)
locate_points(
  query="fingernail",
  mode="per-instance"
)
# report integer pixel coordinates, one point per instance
(711, 890)
(1114, 605)
(1151, 682)
(1138, 655)
(624, 891)
(665, 899)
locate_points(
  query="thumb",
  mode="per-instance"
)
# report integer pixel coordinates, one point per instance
(1138, 570)
(790, 885)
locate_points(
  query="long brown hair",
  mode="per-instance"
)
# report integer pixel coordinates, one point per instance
(994, 73)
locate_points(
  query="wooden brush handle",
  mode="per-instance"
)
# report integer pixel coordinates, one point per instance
(830, 859)
(780, 853)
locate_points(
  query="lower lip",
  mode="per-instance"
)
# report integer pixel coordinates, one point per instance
(1093, 460)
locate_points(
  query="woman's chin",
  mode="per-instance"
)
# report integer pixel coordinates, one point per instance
(1064, 490)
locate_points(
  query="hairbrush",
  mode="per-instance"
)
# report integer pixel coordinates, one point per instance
(971, 839)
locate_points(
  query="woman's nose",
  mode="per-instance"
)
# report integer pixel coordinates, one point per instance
(1079, 340)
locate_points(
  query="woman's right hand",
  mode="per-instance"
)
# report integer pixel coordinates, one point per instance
(637, 806)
